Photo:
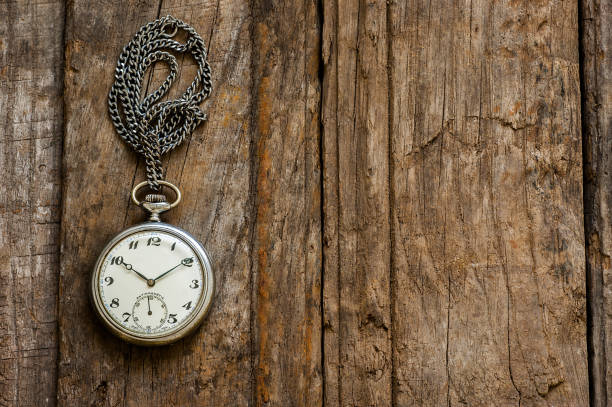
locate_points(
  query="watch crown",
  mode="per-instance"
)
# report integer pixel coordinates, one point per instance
(155, 198)
(157, 203)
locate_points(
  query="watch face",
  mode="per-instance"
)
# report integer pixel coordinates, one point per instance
(152, 284)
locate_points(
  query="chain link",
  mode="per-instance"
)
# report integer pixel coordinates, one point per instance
(153, 127)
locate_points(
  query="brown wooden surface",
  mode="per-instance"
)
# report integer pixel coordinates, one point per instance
(286, 242)
(455, 259)
(391, 192)
(251, 194)
(357, 300)
(596, 39)
(31, 65)
(486, 166)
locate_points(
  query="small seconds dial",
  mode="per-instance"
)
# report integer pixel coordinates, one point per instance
(150, 283)
(150, 312)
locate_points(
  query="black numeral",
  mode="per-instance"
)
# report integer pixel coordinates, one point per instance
(133, 244)
(127, 316)
(187, 306)
(153, 241)
(114, 303)
(172, 319)
(109, 280)
(173, 246)
(117, 260)
(194, 284)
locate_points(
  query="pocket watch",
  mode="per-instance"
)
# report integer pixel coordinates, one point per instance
(153, 283)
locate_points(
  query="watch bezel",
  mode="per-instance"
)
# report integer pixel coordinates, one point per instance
(193, 321)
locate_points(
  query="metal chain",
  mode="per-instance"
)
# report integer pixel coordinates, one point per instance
(153, 127)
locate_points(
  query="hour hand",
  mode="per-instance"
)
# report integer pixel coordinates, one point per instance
(130, 268)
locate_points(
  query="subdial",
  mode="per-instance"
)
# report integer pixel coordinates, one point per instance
(150, 312)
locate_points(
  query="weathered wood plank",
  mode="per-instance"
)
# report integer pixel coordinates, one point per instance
(213, 172)
(486, 277)
(358, 357)
(596, 41)
(212, 169)
(31, 65)
(250, 177)
(284, 126)
(486, 169)
(286, 187)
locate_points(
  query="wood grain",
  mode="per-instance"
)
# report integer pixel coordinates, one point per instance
(286, 238)
(391, 193)
(357, 306)
(476, 243)
(31, 65)
(101, 181)
(596, 68)
(488, 195)
(250, 177)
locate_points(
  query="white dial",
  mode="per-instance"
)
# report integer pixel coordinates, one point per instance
(151, 283)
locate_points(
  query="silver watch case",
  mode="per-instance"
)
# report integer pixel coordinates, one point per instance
(188, 326)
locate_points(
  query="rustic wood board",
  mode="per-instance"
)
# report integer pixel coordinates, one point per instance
(286, 243)
(31, 65)
(454, 246)
(250, 177)
(596, 41)
(357, 300)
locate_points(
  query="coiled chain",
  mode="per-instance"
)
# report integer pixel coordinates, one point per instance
(153, 127)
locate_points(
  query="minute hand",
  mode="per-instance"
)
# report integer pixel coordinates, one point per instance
(185, 262)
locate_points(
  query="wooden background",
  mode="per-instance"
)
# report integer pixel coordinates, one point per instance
(408, 203)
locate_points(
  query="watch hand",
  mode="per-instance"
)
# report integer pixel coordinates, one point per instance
(163, 274)
(149, 302)
(185, 262)
(130, 268)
